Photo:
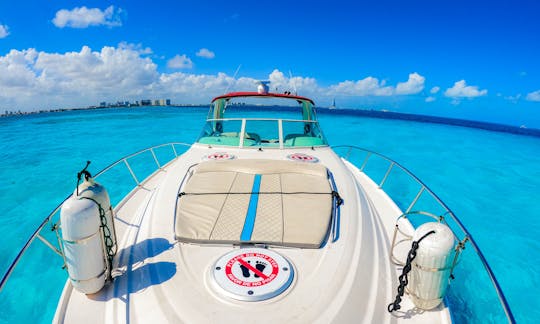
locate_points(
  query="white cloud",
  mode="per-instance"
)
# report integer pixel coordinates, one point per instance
(430, 99)
(4, 31)
(513, 99)
(434, 90)
(135, 47)
(180, 62)
(82, 17)
(413, 85)
(533, 96)
(31, 80)
(371, 86)
(306, 86)
(206, 53)
(462, 90)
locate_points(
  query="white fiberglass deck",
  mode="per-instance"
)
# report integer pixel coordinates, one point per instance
(157, 279)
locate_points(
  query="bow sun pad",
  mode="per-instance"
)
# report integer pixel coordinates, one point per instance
(255, 201)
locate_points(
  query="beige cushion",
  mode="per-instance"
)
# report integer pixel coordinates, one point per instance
(294, 207)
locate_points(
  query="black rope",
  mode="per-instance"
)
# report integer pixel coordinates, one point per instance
(339, 200)
(84, 172)
(403, 280)
(110, 247)
(333, 193)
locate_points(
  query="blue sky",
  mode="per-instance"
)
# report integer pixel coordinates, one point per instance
(466, 59)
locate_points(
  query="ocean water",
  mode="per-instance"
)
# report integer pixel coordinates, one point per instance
(490, 180)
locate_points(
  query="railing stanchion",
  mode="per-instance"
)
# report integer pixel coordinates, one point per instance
(349, 151)
(47, 243)
(387, 174)
(131, 171)
(498, 290)
(155, 158)
(415, 199)
(37, 231)
(502, 299)
(368, 155)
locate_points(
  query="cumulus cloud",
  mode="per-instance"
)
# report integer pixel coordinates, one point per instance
(280, 83)
(135, 47)
(206, 53)
(82, 17)
(4, 31)
(533, 96)
(462, 90)
(180, 62)
(371, 86)
(513, 99)
(31, 79)
(413, 85)
(430, 99)
(434, 90)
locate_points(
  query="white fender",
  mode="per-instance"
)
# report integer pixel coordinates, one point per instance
(431, 268)
(82, 244)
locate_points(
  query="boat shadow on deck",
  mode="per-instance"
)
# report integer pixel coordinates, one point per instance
(134, 272)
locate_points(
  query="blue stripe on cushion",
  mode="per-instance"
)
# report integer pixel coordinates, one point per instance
(249, 223)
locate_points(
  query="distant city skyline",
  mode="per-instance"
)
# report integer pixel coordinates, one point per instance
(475, 60)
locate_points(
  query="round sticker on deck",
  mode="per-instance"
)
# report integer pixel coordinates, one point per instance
(252, 274)
(219, 156)
(302, 158)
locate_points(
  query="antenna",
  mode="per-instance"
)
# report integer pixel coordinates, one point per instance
(294, 83)
(234, 77)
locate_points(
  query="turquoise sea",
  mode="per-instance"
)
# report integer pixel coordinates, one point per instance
(490, 180)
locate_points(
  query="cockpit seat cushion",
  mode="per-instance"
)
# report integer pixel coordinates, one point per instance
(288, 203)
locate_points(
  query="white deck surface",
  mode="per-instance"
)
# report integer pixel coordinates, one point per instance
(159, 280)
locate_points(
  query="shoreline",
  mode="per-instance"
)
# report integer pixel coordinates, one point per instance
(44, 111)
(490, 126)
(495, 127)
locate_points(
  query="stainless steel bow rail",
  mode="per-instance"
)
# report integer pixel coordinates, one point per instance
(349, 149)
(48, 220)
(425, 189)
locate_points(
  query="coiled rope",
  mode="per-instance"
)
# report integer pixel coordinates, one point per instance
(403, 280)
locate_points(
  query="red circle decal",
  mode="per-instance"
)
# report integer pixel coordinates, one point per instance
(219, 156)
(302, 157)
(251, 269)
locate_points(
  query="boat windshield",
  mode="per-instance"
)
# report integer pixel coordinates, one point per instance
(262, 122)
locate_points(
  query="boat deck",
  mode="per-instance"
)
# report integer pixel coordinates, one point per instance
(159, 279)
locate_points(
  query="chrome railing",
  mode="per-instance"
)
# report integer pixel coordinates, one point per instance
(448, 212)
(49, 219)
(349, 150)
